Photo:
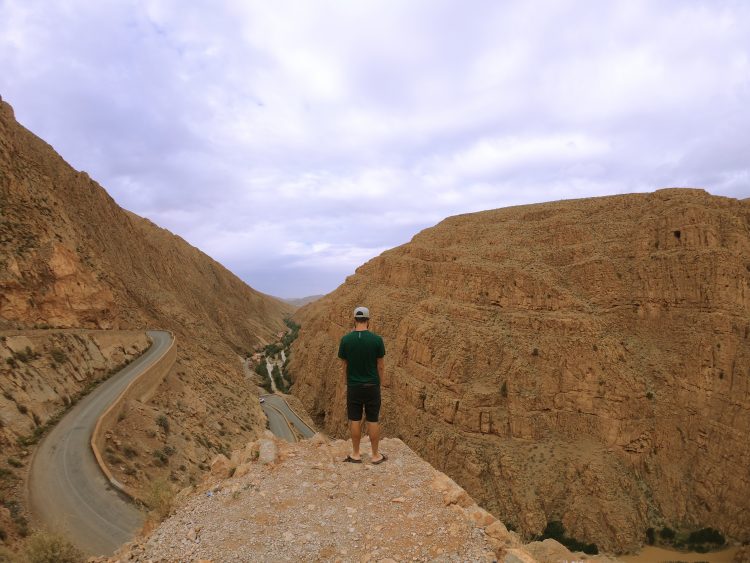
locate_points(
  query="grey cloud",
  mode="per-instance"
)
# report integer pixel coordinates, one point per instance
(294, 141)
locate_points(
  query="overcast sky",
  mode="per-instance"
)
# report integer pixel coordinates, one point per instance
(293, 141)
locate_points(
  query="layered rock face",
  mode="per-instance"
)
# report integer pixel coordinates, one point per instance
(42, 372)
(71, 257)
(585, 361)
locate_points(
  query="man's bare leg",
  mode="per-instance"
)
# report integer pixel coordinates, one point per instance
(355, 426)
(373, 428)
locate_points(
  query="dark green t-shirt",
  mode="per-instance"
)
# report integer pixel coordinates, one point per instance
(361, 350)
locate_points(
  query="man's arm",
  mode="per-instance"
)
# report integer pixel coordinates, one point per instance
(381, 373)
(344, 364)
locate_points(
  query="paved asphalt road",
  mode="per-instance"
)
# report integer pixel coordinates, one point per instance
(280, 416)
(68, 491)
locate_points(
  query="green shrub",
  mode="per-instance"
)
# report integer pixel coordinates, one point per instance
(706, 535)
(59, 356)
(15, 462)
(667, 533)
(160, 457)
(271, 349)
(277, 379)
(43, 547)
(163, 422)
(159, 498)
(556, 531)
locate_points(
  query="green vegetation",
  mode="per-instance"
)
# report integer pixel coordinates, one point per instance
(706, 536)
(667, 533)
(271, 350)
(262, 370)
(26, 355)
(59, 356)
(159, 498)
(15, 462)
(278, 380)
(701, 541)
(44, 547)
(556, 531)
(22, 525)
(163, 422)
(162, 455)
(292, 335)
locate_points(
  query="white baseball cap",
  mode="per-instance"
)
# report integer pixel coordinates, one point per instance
(361, 313)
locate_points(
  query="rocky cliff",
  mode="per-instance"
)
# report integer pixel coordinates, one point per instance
(71, 257)
(584, 361)
(298, 502)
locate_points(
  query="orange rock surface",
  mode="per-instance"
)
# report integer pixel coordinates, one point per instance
(70, 257)
(585, 361)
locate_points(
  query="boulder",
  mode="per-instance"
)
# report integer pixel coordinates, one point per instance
(221, 466)
(268, 452)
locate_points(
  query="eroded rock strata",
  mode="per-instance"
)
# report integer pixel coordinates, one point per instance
(70, 257)
(585, 361)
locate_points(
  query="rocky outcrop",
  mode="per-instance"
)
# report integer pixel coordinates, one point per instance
(304, 504)
(583, 361)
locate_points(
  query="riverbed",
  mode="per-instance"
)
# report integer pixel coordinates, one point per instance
(651, 554)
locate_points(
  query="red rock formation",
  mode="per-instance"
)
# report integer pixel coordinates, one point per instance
(585, 361)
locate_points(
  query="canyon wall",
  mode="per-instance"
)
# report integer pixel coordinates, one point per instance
(70, 257)
(585, 361)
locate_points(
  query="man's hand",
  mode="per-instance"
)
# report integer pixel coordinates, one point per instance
(381, 373)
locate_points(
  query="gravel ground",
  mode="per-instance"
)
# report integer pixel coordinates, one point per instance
(310, 506)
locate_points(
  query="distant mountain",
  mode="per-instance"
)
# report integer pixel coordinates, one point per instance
(583, 361)
(301, 301)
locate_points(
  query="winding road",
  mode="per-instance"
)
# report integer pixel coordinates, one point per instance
(67, 489)
(283, 421)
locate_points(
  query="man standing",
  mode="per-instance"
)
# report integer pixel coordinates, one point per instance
(362, 354)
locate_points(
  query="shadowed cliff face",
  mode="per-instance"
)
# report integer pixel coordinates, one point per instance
(585, 361)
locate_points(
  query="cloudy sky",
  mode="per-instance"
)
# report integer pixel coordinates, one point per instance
(292, 141)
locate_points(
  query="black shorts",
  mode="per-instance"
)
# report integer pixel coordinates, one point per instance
(363, 396)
